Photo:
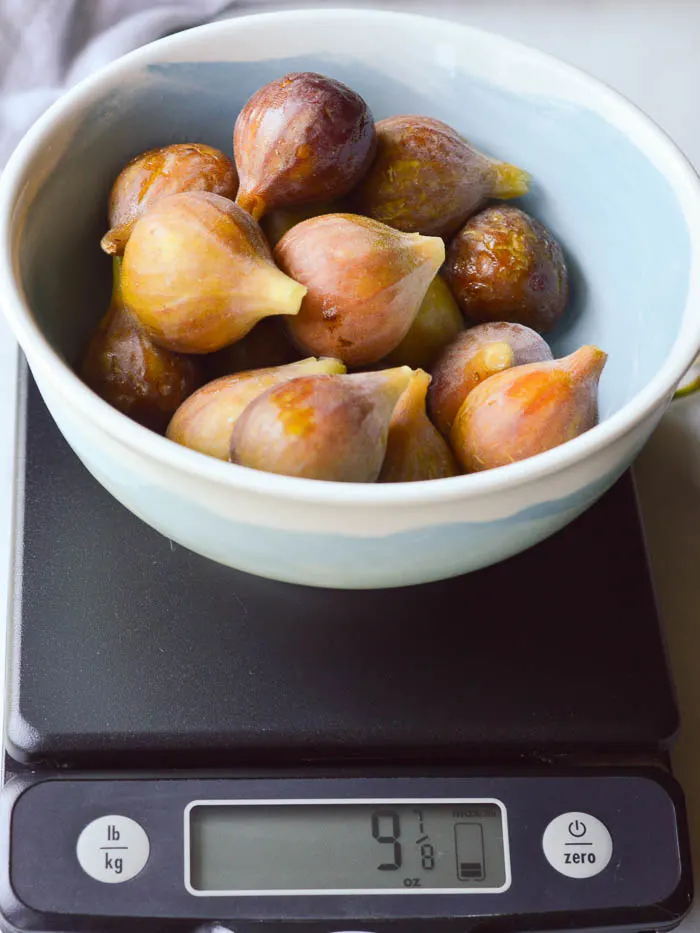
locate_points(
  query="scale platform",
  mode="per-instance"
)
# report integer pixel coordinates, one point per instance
(147, 683)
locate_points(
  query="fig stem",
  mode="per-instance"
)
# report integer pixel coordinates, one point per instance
(498, 356)
(252, 204)
(114, 241)
(511, 181)
(397, 378)
(586, 360)
(420, 380)
(283, 295)
(431, 249)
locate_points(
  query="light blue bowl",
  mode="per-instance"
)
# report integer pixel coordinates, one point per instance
(617, 194)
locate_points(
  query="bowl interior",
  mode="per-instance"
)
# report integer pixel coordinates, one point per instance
(611, 207)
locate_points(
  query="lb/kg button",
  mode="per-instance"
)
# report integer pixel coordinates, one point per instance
(113, 849)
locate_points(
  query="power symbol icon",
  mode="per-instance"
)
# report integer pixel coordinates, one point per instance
(577, 844)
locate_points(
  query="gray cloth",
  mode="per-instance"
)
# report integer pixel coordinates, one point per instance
(46, 46)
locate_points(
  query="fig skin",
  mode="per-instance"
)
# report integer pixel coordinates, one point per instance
(472, 357)
(527, 410)
(304, 137)
(198, 274)
(267, 344)
(130, 372)
(206, 420)
(426, 178)
(330, 428)
(161, 172)
(365, 284)
(415, 450)
(506, 266)
(436, 325)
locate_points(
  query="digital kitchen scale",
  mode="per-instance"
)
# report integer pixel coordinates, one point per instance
(189, 748)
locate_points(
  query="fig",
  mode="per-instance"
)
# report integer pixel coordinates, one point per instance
(475, 355)
(304, 137)
(158, 173)
(321, 427)
(365, 284)
(267, 344)
(426, 178)
(206, 420)
(437, 323)
(126, 369)
(415, 450)
(527, 410)
(277, 223)
(506, 266)
(198, 274)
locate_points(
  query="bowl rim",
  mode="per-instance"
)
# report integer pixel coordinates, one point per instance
(121, 428)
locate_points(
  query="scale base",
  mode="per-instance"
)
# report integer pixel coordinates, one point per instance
(132, 652)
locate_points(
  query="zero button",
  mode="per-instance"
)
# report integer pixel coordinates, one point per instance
(578, 845)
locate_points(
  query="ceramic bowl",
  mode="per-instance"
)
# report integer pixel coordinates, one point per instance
(616, 192)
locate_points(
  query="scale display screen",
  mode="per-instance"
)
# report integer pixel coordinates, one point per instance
(325, 847)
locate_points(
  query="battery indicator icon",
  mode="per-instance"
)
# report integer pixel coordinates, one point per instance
(469, 845)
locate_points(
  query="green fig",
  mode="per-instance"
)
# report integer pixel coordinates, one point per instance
(321, 427)
(436, 325)
(415, 450)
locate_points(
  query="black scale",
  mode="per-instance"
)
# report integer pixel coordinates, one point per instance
(194, 749)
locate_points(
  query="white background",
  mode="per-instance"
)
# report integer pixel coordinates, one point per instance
(651, 53)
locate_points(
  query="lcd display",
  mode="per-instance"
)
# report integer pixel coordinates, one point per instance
(359, 846)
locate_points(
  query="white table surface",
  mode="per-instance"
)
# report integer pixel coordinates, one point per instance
(650, 51)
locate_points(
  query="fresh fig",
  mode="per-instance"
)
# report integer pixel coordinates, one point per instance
(124, 367)
(321, 427)
(506, 266)
(158, 173)
(428, 179)
(364, 281)
(475, 355)
(304, 137)
(198, 274)
(526, 410)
